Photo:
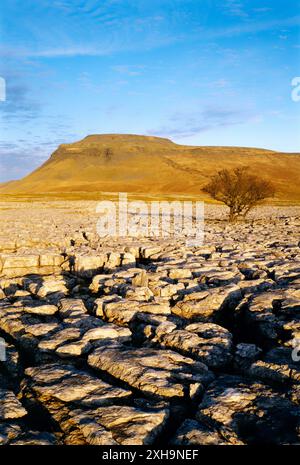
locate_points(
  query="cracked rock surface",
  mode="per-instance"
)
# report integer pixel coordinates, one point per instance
(147, 341)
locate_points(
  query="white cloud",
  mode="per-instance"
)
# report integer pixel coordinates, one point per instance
(235, 8)
(255, 27)
(264, 9)
(150, 41)
(210, 118)
(129, 70)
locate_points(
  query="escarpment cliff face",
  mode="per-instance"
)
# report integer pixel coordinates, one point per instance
(151, 165)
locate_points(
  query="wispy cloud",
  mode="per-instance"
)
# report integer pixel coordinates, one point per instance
(254, 27)
(129, 70)
(72, 51)
(263, 9)
(96, 50)
(235, 8)
(183, 125)
(19, 158)
(147, 39)
(19, 104)
(85, 81)
(79, 7)
(220, 83)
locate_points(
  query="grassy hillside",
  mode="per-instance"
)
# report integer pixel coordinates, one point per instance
(150, 165)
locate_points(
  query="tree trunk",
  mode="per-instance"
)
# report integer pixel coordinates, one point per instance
(232, 216)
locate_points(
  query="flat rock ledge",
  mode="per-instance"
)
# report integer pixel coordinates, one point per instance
(148, 341)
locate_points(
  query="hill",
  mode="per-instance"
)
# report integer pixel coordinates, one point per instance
(151, 165)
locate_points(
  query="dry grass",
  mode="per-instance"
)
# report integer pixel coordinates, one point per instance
(149, 166)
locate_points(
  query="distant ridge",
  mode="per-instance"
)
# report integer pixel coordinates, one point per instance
(151, 165)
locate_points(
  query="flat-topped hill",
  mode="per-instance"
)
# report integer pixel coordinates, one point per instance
(151, 165)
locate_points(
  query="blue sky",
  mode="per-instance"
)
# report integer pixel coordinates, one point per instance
(201, 72)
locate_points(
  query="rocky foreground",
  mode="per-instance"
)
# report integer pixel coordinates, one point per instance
(146, 341)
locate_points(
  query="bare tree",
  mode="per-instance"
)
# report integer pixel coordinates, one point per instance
(239, 190)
